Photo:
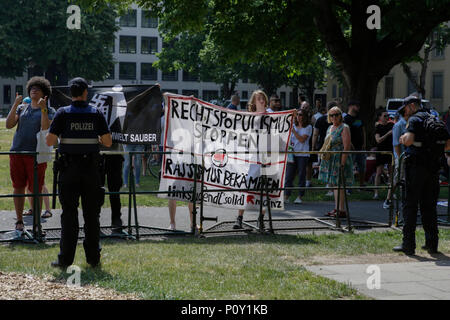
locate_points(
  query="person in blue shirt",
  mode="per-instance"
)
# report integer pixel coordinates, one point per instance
(235, 101)
(397, 131)
(30, 117)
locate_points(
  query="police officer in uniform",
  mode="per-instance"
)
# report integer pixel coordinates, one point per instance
(421, 179)
(80, 128)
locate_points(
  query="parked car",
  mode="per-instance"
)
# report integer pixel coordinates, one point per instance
(394, 104)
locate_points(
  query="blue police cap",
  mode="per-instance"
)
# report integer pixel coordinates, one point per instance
(408, 100)
(79, 82)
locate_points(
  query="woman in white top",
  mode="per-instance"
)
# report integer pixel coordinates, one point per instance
(258, 103)
(301, 133)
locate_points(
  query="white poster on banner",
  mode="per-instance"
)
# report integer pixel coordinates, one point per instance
(229, 149)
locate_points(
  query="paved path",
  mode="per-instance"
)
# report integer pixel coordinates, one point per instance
(428, 280)
(159, 216)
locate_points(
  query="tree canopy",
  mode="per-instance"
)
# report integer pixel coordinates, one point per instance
(303, 28)
(34, 34)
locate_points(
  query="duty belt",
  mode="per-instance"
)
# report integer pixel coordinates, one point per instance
(420, 144)
(78, 141)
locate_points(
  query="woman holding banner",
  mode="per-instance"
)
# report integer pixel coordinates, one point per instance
(338, 139)
(300, 137)
(258, 103)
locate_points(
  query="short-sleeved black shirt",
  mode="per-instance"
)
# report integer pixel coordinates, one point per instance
(415, 125)
(356, 130)
(321, 125)
(79, 122)
(381, 129)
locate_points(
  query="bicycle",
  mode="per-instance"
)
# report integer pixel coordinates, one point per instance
(153, 166)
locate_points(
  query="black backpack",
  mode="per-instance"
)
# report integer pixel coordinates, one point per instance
(436, 136)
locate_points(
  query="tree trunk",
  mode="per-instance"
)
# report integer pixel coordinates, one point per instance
(365, 92)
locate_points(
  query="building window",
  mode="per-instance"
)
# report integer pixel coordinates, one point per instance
(128, 20)
(148, 72)
(170, 76)
(149, 20)
(19, 90)
(438, 81)
(149, 45)
(127, 70)
(438, 53)
(411, 86)
(341, 91)
(334, 89)
(127, 44)
(190, 93)
(388, 87)
(209, 95)
(189, 76)
(7, 94)
(245, 95)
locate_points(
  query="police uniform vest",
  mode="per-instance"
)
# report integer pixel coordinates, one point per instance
(78, 127)
(415, 125)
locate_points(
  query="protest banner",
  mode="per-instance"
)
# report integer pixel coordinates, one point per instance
(230, 149)
(133, 113)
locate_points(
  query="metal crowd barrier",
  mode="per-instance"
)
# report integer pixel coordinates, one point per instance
(136, 231)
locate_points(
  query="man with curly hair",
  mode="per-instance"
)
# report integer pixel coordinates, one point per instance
(30, 119)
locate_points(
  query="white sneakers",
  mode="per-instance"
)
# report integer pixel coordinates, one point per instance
(298, 200)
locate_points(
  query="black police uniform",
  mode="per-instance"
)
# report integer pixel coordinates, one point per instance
(421, 187)
(78, 127)
(111, 172)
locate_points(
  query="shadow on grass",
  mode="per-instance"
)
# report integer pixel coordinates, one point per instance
(87, 276)
(223, 239)
(30, 246)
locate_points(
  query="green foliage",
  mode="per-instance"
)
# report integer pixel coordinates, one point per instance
(34, 33)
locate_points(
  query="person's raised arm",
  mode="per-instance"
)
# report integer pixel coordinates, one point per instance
(45, 121)
(13, 117)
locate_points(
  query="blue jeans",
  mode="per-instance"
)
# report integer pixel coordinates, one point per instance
(137, 162)
(300, 166)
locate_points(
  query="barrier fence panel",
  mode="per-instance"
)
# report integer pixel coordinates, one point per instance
(136, 231)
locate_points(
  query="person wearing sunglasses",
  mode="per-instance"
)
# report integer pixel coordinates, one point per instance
(340, 136)
(301, 134)
(383, 137)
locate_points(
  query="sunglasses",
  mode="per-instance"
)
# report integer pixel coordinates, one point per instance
(334, 115)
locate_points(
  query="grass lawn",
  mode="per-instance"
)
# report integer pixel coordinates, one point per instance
(247, 267)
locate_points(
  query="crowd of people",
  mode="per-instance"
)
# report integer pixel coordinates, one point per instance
(319, 128)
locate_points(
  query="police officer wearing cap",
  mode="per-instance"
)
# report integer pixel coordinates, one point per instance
(80, 128)
(421, 179)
